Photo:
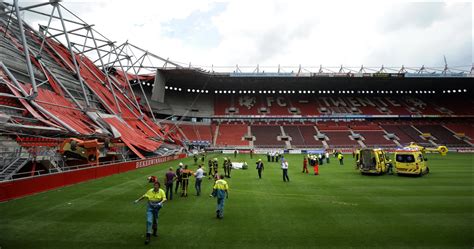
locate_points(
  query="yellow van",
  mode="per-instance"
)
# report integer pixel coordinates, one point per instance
(373, 161)
(411, 161)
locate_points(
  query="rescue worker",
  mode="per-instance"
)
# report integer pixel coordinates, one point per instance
(316, 167)
(152, 179)
(224, 165)
(156, 197)
(221, 192)
(186, 174)
(305, 165)
(341, 159)
(228, 167)
(211, 168)
(215, 167)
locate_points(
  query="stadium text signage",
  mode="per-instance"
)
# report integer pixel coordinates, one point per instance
(249, 102)
(146, 163)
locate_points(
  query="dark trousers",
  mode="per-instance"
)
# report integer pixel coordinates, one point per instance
(305, 168)
(390, 170)
(184, 186)
(341, 162)
(210, 172)
(197, 185)
(285, 175)
(177, 186)
(260, 173)
(169, 191)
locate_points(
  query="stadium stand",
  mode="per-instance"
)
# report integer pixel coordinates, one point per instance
(442, 135)
(414, 135)
(339, 138)
(467, 129)
(302, 136)
(232, 135)
(193, 132)
(308, 106)
(266, 136)
(403, 138)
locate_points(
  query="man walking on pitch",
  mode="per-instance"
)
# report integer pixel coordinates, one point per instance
(221, 192)
(179, 177)
(341, 159)
(305, 165)
(170, 177)
(210, 165)
(186, 173)
(156, 197)
(260, 168)
(199, 175)
(284, 167)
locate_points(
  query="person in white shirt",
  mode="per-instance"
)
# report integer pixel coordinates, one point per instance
(199, 175)
(327, 156)
(284, 167)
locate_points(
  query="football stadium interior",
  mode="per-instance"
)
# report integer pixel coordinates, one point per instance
(70, 98)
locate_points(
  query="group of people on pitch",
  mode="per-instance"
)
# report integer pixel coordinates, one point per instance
(315, 160)
(284, 166)
(157, 196)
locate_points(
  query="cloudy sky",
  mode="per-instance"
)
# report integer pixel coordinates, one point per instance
(289, 32)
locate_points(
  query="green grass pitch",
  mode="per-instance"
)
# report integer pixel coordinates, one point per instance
(337, 209)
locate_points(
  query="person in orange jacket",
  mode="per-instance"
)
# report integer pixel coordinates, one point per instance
(316, 167)
(305, 165)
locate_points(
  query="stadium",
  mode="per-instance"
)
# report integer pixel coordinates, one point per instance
(84, 121)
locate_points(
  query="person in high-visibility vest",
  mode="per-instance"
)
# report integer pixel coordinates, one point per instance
(221, 192)
(156, 197)
(341, 159)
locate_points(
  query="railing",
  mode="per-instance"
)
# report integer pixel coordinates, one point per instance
(8, 156)
(24, 175)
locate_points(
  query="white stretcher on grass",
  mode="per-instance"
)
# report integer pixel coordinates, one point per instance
(238, 165)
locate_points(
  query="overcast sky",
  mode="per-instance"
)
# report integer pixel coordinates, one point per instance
(289, 32)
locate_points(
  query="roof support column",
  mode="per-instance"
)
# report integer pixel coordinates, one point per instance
(31, 74)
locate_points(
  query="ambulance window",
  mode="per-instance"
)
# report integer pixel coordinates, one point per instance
(405, 158)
